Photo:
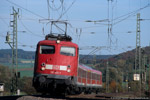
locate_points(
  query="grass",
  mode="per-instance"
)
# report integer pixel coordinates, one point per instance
(24, 69)
(26, 73)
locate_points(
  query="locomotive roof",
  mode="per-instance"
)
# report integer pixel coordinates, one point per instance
(50, 42)
(89, 68)
(62, 38)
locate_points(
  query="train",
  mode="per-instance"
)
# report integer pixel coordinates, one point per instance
(57, 69)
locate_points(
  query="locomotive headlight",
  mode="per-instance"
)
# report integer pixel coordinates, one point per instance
(68, 70)
(58, 41)
(43, 68)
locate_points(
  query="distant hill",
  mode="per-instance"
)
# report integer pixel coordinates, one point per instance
(96, 56)
(6, 54)
(126, 57)
(26, 60)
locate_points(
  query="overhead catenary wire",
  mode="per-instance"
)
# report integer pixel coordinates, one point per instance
(48, 9)
(4, 22)
(116, 22)
(54, 8)
(25, 9)
(62, 7)
(135, 11)
(29, 30)
(66, 10)
(121, 18)
(26, 45)
(129, 14)
(89, 27)
(95, 49)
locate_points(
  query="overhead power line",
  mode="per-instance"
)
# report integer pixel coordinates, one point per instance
(66, 10)
(25, 9)
(132, 12)
(4, 21)
(29, 30)
(54, 8)
(129, 14)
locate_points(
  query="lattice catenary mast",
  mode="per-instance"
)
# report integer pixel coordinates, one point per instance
(13, 45)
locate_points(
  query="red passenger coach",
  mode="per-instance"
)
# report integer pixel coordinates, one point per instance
(89, 78)
(57, 70)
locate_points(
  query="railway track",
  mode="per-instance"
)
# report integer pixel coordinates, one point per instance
(74, 97)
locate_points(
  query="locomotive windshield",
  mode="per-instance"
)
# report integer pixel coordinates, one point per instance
(47, 49)
(68, 51)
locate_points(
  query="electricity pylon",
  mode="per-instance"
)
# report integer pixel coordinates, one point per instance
(107, 77)
(138, 53)
(13, 45)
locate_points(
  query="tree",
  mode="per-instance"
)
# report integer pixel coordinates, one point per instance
(26, 85)
(113, 86)
(5, 77)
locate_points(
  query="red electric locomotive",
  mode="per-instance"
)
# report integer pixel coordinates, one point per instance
(57, 69)
(56, 64)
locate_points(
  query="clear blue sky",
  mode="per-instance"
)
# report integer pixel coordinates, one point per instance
(122, 16)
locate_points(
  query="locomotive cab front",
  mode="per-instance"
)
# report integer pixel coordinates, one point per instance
(56, 63)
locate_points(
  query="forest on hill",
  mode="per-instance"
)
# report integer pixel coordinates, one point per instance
(122, 67)
(6, 54)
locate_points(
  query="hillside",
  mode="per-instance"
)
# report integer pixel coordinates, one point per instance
(122, 67)
(25, 61)
(6, 54)
(125, 60)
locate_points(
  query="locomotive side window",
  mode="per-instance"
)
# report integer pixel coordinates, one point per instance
(47, 49)
(68, 51)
